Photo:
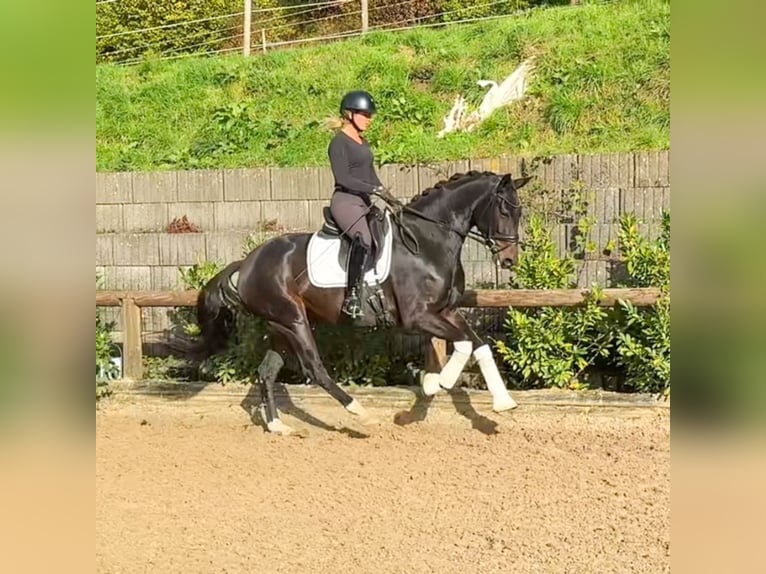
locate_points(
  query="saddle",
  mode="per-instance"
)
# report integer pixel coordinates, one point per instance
(379, 225)
(327, 256)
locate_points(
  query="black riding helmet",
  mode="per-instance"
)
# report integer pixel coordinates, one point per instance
(357, 101)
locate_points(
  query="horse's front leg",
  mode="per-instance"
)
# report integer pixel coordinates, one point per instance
(452, 326)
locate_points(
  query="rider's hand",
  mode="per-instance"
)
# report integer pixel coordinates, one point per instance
(378, 201)
(386, 194)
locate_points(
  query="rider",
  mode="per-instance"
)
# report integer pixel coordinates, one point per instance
(352, 163)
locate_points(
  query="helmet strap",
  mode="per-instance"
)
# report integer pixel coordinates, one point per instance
(353, 122)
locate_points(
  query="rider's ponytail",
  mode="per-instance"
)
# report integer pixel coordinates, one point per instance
(334, 123)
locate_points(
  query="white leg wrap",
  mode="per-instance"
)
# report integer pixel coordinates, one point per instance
(431, 384)
(451, 371)
(501, 398)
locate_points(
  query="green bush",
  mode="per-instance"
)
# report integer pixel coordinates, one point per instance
(105, 368)
(643, 343)
(370, 364)
(193, 277)
(551, 346)
(559, 347)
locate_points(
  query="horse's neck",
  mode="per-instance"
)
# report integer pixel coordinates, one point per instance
(452, 210)
(452, 207)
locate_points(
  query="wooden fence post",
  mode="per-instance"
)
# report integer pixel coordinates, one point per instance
(365, 16)
(246, 32)
(132, 354)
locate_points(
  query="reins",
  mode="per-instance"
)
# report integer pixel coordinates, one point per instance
(489, 241)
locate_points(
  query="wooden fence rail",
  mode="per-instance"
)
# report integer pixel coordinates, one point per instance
(131, 303)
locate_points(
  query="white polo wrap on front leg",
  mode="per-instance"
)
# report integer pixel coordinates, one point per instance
(501, 398)
(451, 371)
(431, 384)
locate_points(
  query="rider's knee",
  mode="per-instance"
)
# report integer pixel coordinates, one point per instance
(363, 239)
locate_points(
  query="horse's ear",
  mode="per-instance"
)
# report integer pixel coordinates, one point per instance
(521, 182)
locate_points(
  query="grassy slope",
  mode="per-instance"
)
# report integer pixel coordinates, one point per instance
(602, 84)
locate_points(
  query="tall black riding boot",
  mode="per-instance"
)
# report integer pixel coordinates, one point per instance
(357, 260)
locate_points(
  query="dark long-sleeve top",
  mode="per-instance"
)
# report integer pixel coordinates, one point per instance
(352, 165)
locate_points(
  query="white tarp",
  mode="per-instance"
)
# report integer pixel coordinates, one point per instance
(511, 90)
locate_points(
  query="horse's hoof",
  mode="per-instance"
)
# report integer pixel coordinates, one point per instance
(431, 384)
(278, 427)
(364, 417)
(356, 408)
(503, 404)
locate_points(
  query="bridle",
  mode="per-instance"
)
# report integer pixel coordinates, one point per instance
(490, 240)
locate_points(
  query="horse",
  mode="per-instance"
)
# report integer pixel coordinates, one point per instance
(421, 291)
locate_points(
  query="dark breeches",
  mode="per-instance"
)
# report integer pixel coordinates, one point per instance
(350, 213)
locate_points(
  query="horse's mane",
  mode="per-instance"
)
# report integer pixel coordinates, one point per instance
(452, 179)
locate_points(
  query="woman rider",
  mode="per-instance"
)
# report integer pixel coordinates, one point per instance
(352, 163)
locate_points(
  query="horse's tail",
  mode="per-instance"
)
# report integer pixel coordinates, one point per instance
(217, 303)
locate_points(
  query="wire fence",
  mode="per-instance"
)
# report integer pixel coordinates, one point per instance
(274, 27)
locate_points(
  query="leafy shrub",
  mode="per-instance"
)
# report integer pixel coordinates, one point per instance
(369, 364)
(193, 277)
(551, 346)
(644, 337)
(558, 347)
(648, 263)
(105, 368)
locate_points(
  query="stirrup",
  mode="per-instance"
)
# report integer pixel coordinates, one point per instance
(352, 305)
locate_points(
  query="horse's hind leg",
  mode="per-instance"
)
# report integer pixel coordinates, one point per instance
(267, 373)
(301, 339)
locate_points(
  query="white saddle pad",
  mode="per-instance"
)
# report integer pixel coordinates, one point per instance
(324, 264)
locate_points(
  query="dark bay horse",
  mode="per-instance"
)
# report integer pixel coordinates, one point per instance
(425, 284)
